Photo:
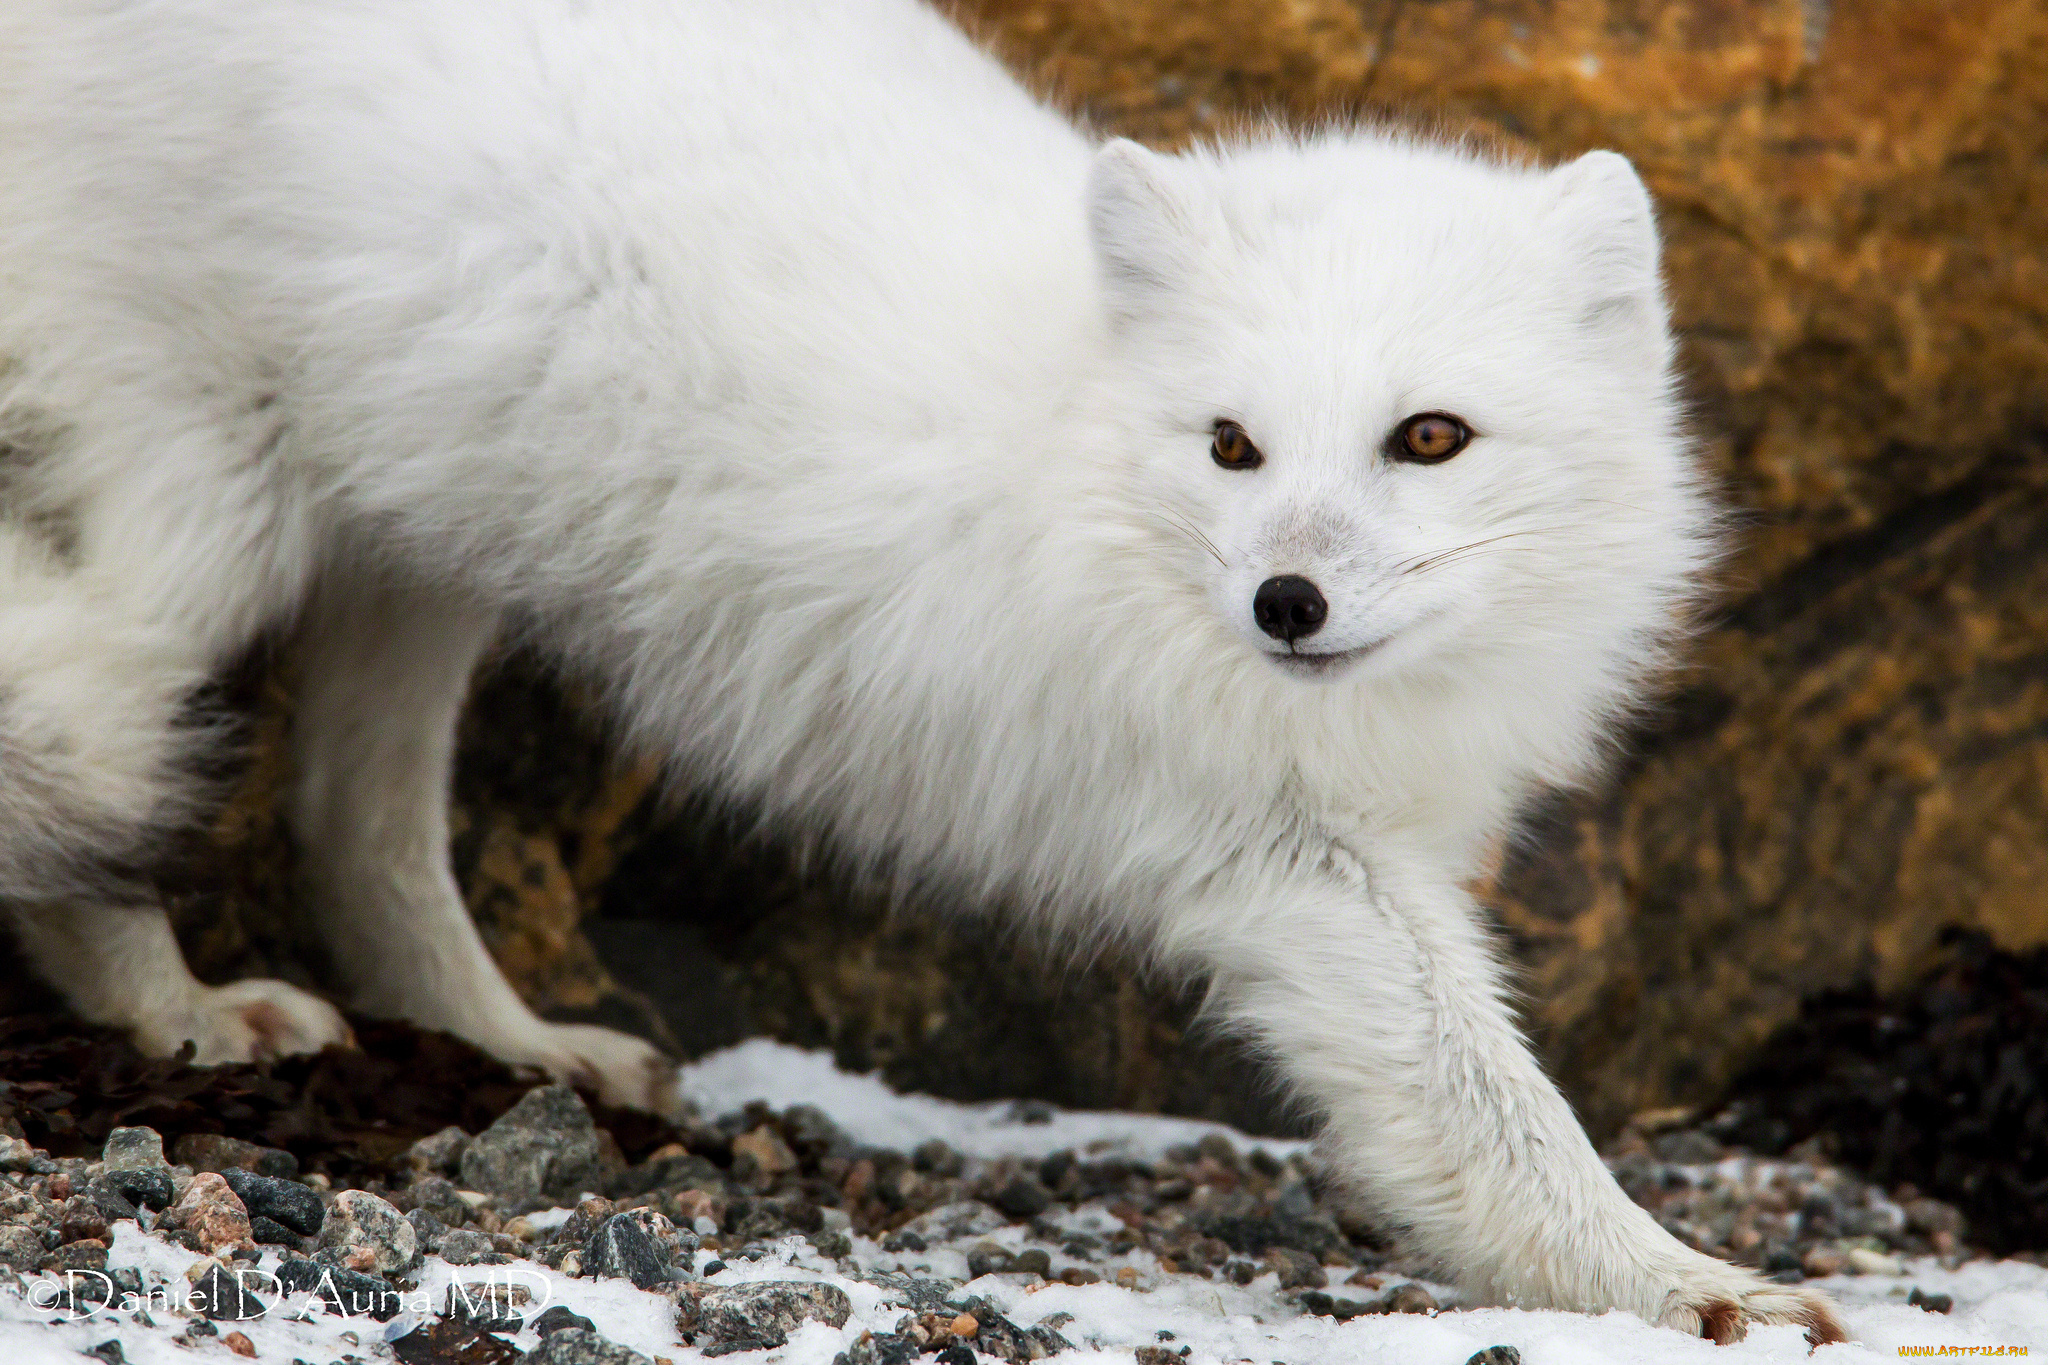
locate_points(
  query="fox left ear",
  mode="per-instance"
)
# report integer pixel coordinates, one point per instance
(1149, 225)
(1602, 213)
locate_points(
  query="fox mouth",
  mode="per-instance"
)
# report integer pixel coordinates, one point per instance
(1321, 663)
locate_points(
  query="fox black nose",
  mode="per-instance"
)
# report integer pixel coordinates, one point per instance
(1289, 608)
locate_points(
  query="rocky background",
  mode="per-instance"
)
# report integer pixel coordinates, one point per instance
(1856, 205)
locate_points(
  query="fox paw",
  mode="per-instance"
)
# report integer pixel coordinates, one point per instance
(622, 1069)
(1725, 1307)
(245, 1021)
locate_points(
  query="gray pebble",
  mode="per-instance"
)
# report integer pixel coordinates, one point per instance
(224, 1296)
(621, 1249)
(343, 1291)
(544, 1147)
(437, 1196)
(17, 1155)
(271, 1233)
(439, 1153)
(359, 1221)
(284, 1201)
(581, 1346)
(145, 1187)
(938, 1157)
(987, 1258)
(557, 1318)
(766, 1312)
(21, 1249)
(427, 1230)
(213, 1152)
(1932, 1303)
(1022, 1197)
(886, 1349)
(133, 1149)
(813, 1131)
(466, 1246)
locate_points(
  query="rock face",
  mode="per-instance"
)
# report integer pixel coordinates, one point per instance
(1853, 209)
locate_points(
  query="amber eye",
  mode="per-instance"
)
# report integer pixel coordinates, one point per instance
(1428, 438)
(1233, 449)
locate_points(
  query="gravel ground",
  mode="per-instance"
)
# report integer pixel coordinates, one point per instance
(788, 1230)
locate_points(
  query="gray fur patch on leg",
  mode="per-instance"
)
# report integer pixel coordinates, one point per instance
(54, 843)
(28, 440)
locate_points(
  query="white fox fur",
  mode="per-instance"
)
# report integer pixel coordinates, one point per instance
(787, 366)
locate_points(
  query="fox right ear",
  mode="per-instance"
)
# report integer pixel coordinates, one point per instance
(1145, 224)
(1603, 214)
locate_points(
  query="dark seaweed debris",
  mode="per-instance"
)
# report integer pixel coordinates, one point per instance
(1944, 1085)
(346, 1111)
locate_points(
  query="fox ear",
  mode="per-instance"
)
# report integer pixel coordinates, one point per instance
(1146, 225)
(1602, 213)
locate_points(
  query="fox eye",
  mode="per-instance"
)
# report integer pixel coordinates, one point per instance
(1233, 449)
(1428, 438)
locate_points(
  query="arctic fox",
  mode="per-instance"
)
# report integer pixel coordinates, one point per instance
(1207, 551)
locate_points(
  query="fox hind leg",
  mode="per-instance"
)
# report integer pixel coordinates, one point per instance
(91, 759)
(386, 669)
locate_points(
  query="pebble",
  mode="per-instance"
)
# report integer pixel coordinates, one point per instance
(814, 1132)
(938, 1156)
(239, 1344)
(282, 1201)
(344, 1291)
(761, 1152)
(211, 1213)
(545, 1147)
(766, 1312)
(1022, 1197)
(17, 1155)
(78, 1218)
(465, 1246)
(622, 1249)
(438, 1153)
(1296, 1269)
(1932, 1303)
(426, 1229)
(139, 1186)
(886, 1349)
(988, 1258)
(557, 1318)
(133, 1149)
(439, 1197)
(1864, 1261)
(1411, 1298)
(223, 1296)
(21, 1250)
(493, 1307)
(212, 1152)
(87, 1253)
(1343, 1310)
(268, 1232)
(581, 1346)
(948, 1222)
(1823, 1260)
(368, 1234)
(452, 1341)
